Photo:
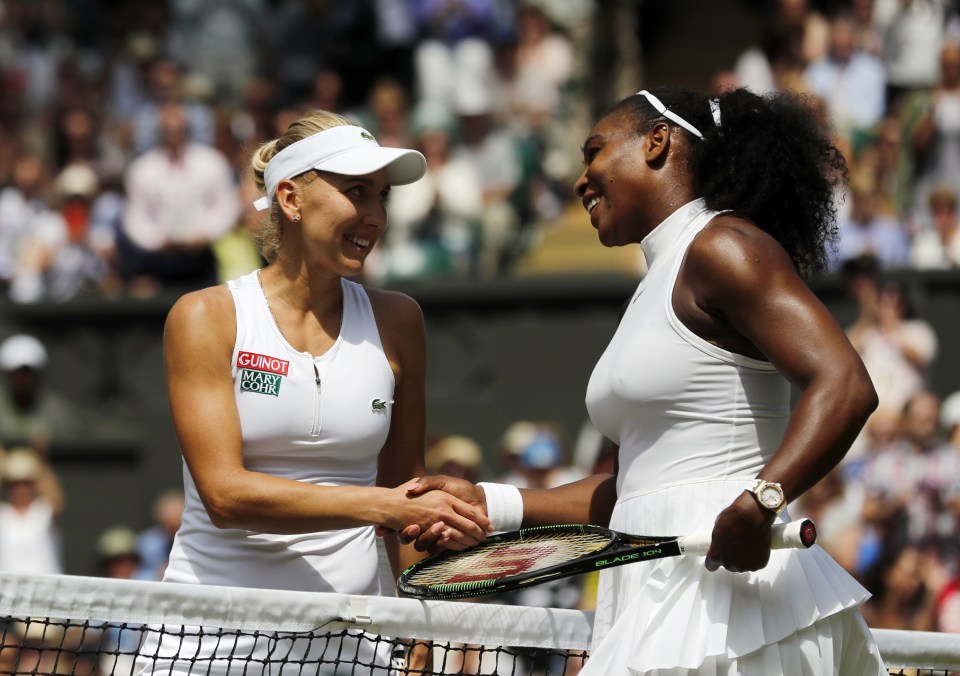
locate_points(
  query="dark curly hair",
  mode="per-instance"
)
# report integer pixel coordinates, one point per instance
(770, 161)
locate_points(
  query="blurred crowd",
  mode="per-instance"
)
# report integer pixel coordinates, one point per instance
(885, 76)
(125, 130)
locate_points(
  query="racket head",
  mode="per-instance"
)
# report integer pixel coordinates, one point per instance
(504, 562)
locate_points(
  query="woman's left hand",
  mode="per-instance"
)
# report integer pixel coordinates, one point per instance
(741, 537)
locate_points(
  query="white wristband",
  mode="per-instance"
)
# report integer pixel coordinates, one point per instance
(504, 506)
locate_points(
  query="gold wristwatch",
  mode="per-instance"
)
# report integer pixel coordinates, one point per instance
(769, 495)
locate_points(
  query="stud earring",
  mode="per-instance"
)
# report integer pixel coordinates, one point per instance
(296, 218)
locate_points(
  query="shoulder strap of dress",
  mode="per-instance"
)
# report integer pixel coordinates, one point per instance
(358, 317)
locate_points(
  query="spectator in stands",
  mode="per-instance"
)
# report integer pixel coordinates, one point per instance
(30, 413)
(905, 586)
(81, 262)
(387, 113)
(810, 24)
(494, 153)
(950, 422)
(31, 229)
(75, 138)
(218, 41)
(127, 79)
(454, 49)
(165, 82)
(38, 54)
(950, 419)
(896, 346)
(105, 220)
(777, 59)
(906, 481)
(935, 118)
(337, 40)
(253, 118)
(455, 455)
(866, 35)
(180, 197)
(119, 560)
(535, 457)
(864, 230)
(153, 544)
(937, 246)
(237, 251)
(946, 611)
(532, 75)
(32, 505)
(891, 165)
(544, 65)
(792, 35)
(434, 223)
(851, 82)
(118, 555)
(913, 32)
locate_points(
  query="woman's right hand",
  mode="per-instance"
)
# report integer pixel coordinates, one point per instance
(433, 511)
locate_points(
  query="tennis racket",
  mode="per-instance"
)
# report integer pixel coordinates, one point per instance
(530, 556)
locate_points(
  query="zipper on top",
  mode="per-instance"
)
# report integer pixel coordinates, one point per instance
(317, 405)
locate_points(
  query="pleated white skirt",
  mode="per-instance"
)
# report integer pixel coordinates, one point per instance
(797, 616)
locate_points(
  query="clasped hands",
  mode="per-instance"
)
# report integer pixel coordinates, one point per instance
(741, 535)
(443, 512)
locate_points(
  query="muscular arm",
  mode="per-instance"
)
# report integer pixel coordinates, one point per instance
(745, 283)
(198, 344)
(589, 500)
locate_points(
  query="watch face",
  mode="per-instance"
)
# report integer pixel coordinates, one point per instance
(770, 497)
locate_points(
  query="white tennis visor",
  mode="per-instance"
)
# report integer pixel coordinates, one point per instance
(347, 150)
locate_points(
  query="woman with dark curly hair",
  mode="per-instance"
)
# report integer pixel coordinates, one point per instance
(731, 201)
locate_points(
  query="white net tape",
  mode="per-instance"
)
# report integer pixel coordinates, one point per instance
(91, 600)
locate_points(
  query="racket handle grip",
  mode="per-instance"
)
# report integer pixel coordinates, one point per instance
(793, 535)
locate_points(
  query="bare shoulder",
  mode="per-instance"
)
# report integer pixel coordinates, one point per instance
(733, 252)
(202, 318)
(395, 310)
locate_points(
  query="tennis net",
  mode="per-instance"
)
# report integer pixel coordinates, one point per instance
(97, 626)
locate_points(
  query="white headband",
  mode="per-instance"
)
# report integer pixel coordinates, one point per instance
(347, 150)
(715, 110)
(669, 114)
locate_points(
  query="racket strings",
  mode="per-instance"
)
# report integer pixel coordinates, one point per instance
(515, 557)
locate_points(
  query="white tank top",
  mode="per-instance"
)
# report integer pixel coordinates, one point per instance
(681, 408)
(321, 420)
(29, 540)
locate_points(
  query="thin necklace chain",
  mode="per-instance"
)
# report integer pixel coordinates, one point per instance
(273, 314)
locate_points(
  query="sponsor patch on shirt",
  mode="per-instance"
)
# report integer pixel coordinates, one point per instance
(261, 373)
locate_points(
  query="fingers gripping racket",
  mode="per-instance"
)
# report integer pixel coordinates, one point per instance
(530, 556)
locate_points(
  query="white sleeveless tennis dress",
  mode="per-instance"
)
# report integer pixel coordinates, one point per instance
(695, 424)
(317, 419)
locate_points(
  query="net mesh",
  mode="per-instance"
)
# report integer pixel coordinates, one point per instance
(93, 626)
